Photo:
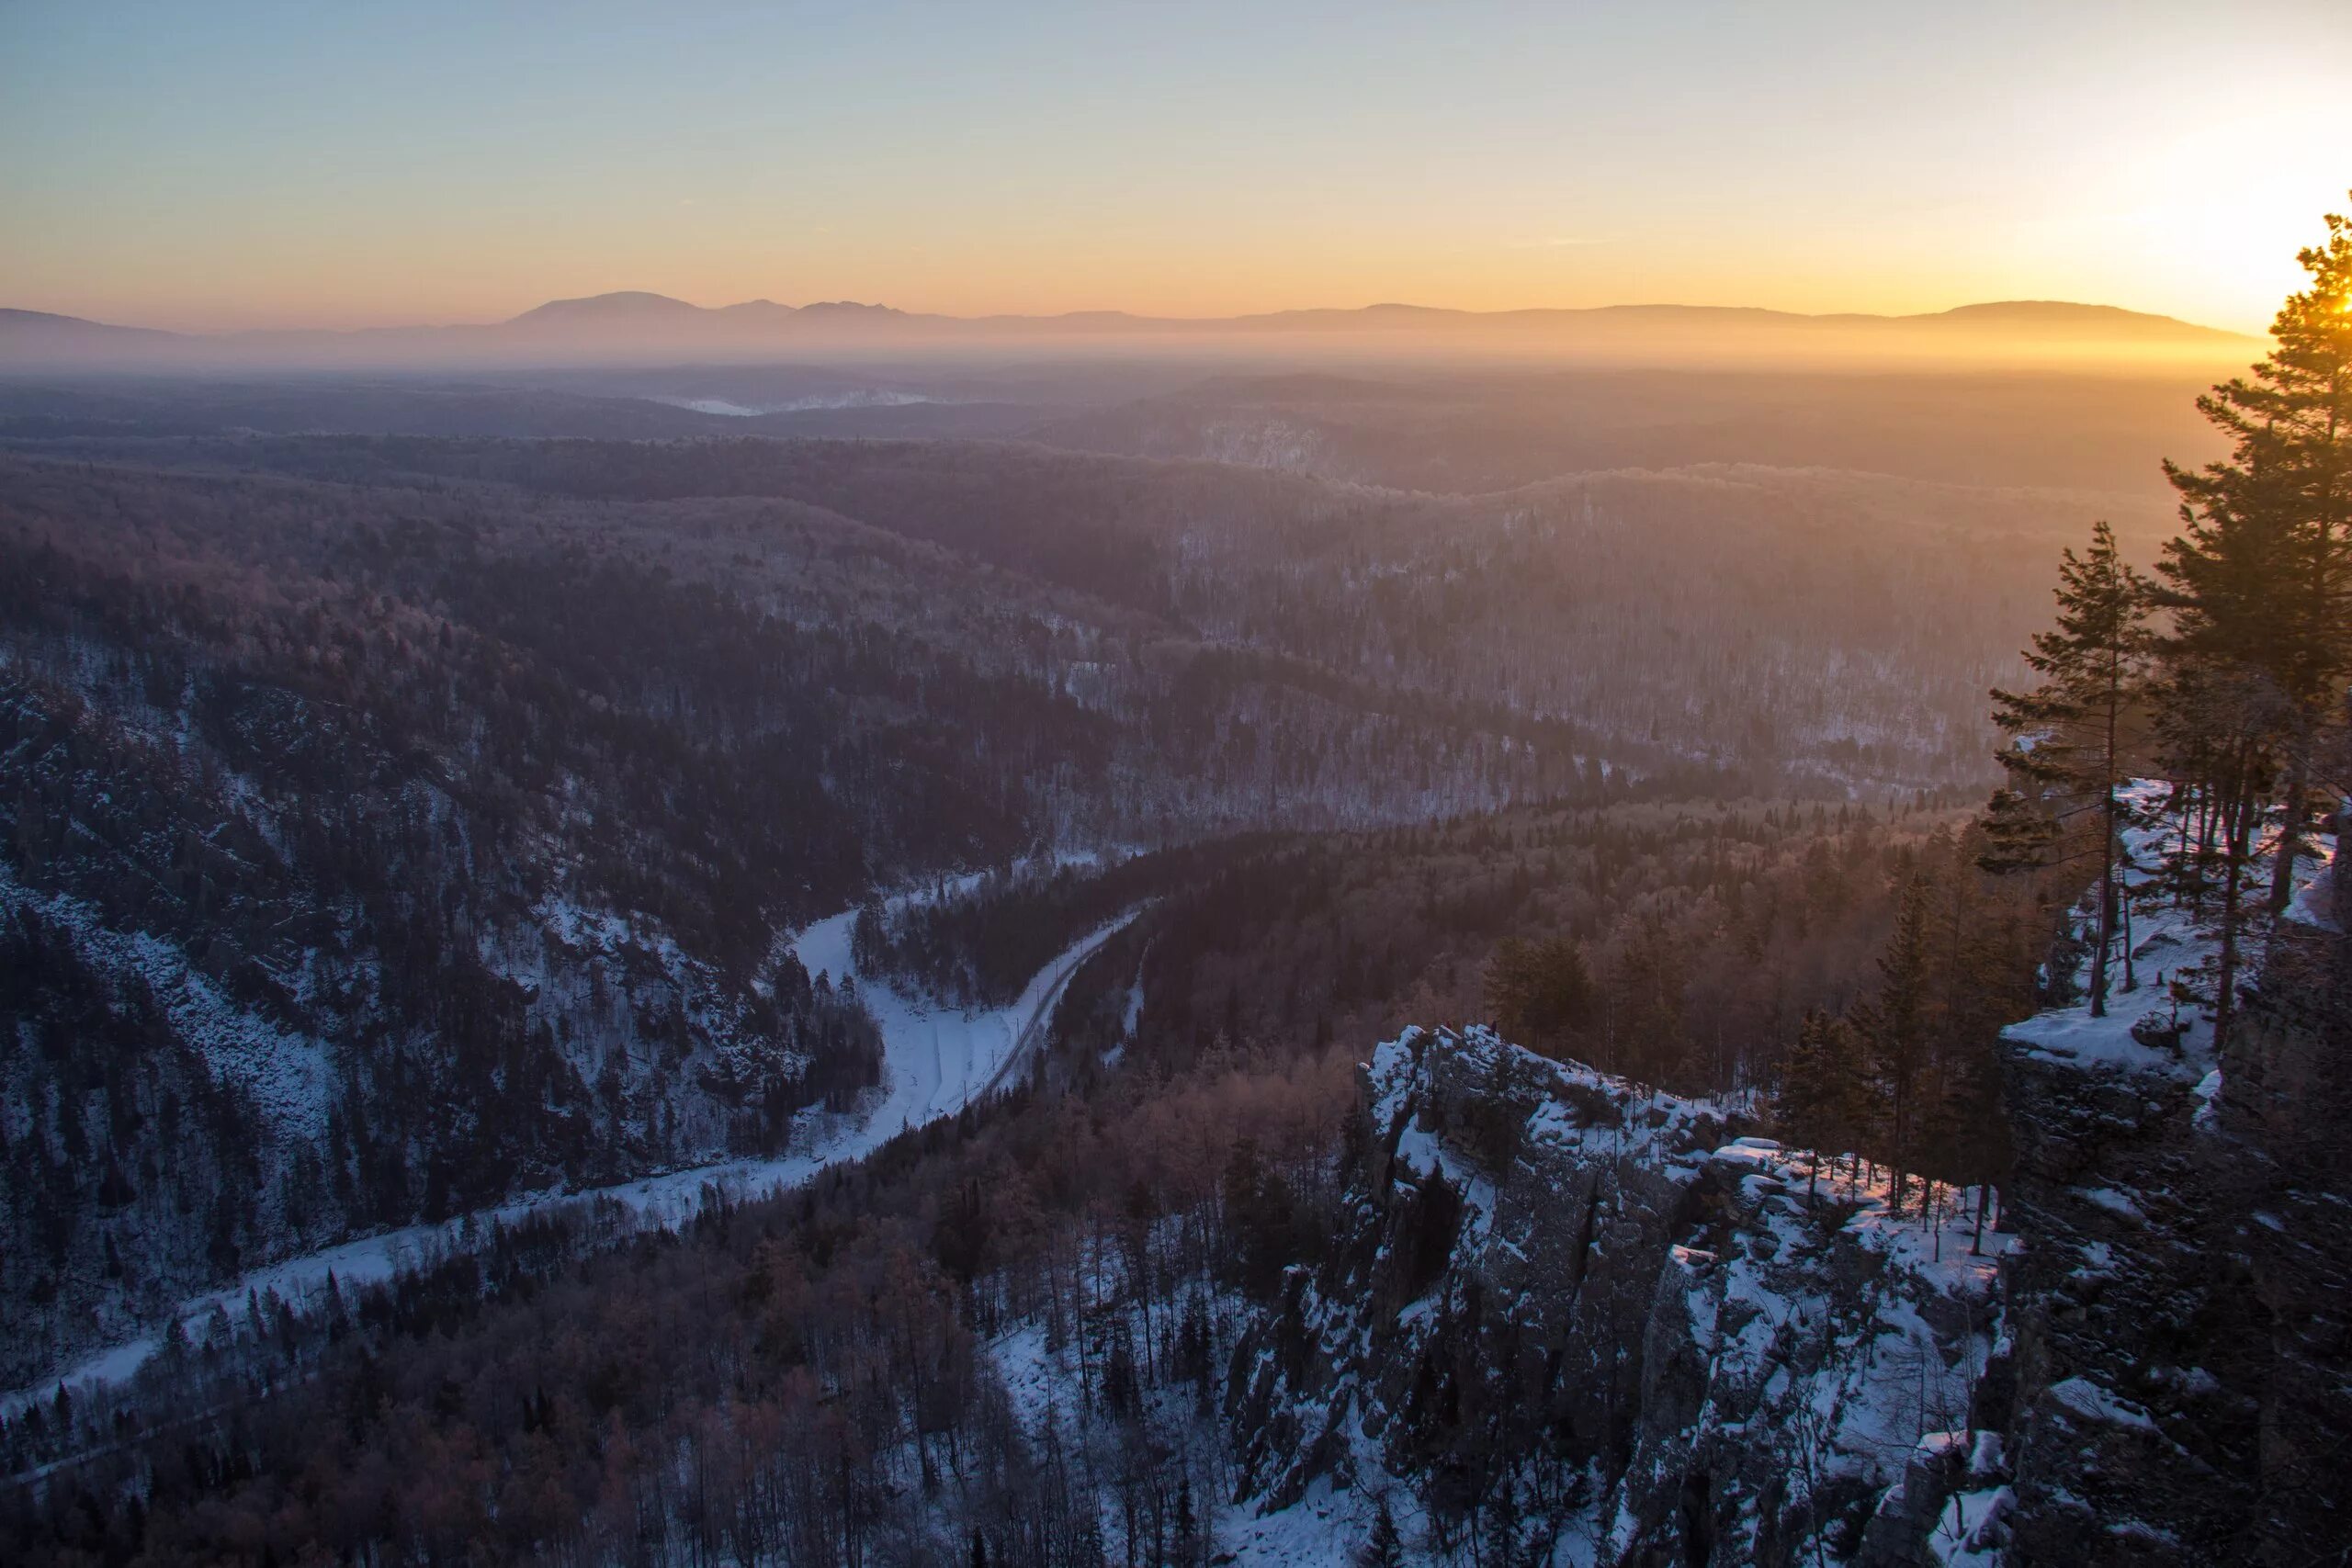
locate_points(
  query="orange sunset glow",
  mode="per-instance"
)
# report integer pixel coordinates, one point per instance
(1261, 784)
(222, 169)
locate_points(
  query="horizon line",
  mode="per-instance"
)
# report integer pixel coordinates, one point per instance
(655, 299)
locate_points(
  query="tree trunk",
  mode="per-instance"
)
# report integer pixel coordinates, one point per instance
(2130, 974)
(2290, 835)
(2343, 867)
(2105, 903)
(2239, 847)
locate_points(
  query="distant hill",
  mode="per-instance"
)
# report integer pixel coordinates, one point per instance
(2061, 317)
(639, 326)
(31, 334)
(632, 306)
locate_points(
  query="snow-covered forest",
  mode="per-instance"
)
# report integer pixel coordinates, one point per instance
(421, 841)
(798, 1001)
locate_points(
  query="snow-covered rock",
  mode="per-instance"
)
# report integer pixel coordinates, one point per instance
(2175, 1362)
(1632, 1332)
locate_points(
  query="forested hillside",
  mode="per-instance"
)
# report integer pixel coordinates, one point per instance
(1473, 431)
(437, 809)
(1120, 1222)
(1473, 1029)
(1796, 625)
(414, 845)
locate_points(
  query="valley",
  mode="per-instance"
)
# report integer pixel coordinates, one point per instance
(934, 1063)
(1083, 962)
(1222, 785)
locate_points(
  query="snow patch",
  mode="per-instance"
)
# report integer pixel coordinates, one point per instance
(934, 1064)
(2084, 1398)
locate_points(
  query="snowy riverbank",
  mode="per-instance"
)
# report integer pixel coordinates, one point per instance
(935, 1061)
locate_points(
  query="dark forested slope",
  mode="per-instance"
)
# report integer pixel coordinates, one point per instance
(1826, 625)
(381, 850)
(1132, 1213)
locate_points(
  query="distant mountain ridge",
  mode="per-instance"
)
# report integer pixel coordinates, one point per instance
(635, 323)
(628, 304)
(20, 329)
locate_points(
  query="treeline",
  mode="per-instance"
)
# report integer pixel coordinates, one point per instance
(1701, 932)
(1908, 1073)
(1841, 632)
(2220, 680)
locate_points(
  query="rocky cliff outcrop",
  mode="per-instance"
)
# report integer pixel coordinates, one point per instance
(1566, 1314)
(2181, 1350)
(1572, 1309)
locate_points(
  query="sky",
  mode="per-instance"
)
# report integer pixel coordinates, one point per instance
(235, 165)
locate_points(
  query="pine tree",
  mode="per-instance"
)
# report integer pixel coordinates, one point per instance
(2071, 732)
(1822, 1100)
(1646, 998)
(1188, 1537)
(2017, 836)
(1539, 992)
(1984, 982)
(2260, 580)
(1385, 1547)
(2220, 729)
(1898, 1023)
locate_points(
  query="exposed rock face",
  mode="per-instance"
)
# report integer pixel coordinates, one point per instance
(1505, 1242)
(2180, 1387)
(2287, 1098)
(1569, 1314)
(1568, 1308)
(1803, 1369)
(1574, 1315)
(2123, 1429)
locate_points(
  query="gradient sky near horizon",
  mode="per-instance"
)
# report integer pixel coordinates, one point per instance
(237, 164)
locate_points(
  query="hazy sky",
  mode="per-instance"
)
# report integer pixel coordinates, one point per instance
(232, 165)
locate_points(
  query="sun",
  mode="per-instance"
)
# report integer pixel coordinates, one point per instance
(2219, 232)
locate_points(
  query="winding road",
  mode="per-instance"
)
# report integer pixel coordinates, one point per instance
(935, 1061)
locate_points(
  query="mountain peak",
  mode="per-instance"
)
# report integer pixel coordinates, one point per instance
(2067, 317)
(849, 307)
(623, 305)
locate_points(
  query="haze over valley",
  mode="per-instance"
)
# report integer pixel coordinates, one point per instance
(1518, 787)
(638, 325)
